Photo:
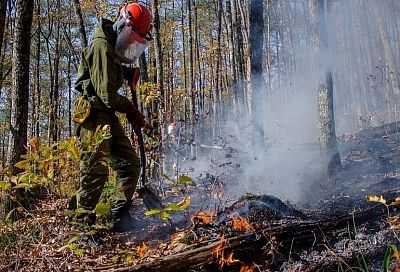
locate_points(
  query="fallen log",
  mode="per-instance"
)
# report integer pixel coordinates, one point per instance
(254, 243)
(381, 131)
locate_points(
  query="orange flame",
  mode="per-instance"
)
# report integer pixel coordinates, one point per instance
(219, 250)
(241, 224)
(246, 268)
(202, 218)
(223, 258)
(142, 250)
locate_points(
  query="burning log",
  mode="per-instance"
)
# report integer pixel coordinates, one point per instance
(242, 250)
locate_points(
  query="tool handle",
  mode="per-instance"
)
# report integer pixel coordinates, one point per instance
(138, 131)
(142, 158)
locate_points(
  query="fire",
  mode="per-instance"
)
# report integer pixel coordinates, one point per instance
(142, 250)
(202, 218)
(241, 224)
(246, 268)
(219, 250)
(223, 257)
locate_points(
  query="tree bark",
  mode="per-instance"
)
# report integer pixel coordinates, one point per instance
(257, 81)
(193, 116)
(326, 121)
(81, 24)
(54, 99)
(158, 59)
(20, 83)
(3, 12)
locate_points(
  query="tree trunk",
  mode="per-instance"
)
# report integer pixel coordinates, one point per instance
(257, 81)
(158, 59)
(193, 117)
(232, 56)
(38, 94)
(20, 83)
(82, 32)
(326, 121)
(3, 12)
(55, 122)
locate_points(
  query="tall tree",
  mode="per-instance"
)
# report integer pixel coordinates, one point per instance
(256, 75)
(158, 57)
(3, 11)
(20, 82)
(326, 120)
(81, 24)
(193, 116)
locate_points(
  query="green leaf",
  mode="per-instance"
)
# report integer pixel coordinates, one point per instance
(4, 186)
(35, 157)
(172, 207)
(101, 227)
(73, 246)
(63, 145)
(129, 259)
(388, 254)
(79, 252)
(74, 152)
(24, 185)
(115, 259)
(152, 212)
(27, 178)
(24, 164)
(72, 238)
(103, 209)
(53, 146)
(164, 215)
(185, 203)
(186, 180)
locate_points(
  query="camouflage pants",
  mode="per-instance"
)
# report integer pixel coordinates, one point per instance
(116, 152)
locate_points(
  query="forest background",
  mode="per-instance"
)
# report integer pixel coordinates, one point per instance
(250, 70)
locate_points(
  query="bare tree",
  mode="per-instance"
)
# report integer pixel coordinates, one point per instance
(326, 121)
(81, 24)
(3, 11)
(257, 81)
(20, 82)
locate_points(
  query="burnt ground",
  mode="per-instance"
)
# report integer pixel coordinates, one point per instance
(44, 240)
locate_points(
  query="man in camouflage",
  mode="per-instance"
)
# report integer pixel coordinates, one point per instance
(100, 75)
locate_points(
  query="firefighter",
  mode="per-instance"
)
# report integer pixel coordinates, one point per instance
(100, 75)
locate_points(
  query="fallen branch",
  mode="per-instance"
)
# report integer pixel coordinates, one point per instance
(256, 242)
(381, 131)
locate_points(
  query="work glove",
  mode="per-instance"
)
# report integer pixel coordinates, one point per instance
(136, 119)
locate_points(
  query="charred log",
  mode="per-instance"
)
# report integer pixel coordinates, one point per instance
(381, 131)
(278, 238)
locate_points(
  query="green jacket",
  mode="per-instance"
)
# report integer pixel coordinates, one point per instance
(100, 72)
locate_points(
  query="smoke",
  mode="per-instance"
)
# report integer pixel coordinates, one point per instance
(292, 168)
(364, 66)
(292, 162)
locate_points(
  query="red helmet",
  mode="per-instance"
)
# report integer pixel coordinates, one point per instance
(138, 17)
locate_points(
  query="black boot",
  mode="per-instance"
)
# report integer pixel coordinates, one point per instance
(121, 219)
(86, 219)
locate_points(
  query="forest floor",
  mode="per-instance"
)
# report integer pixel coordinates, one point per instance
(45, 240)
